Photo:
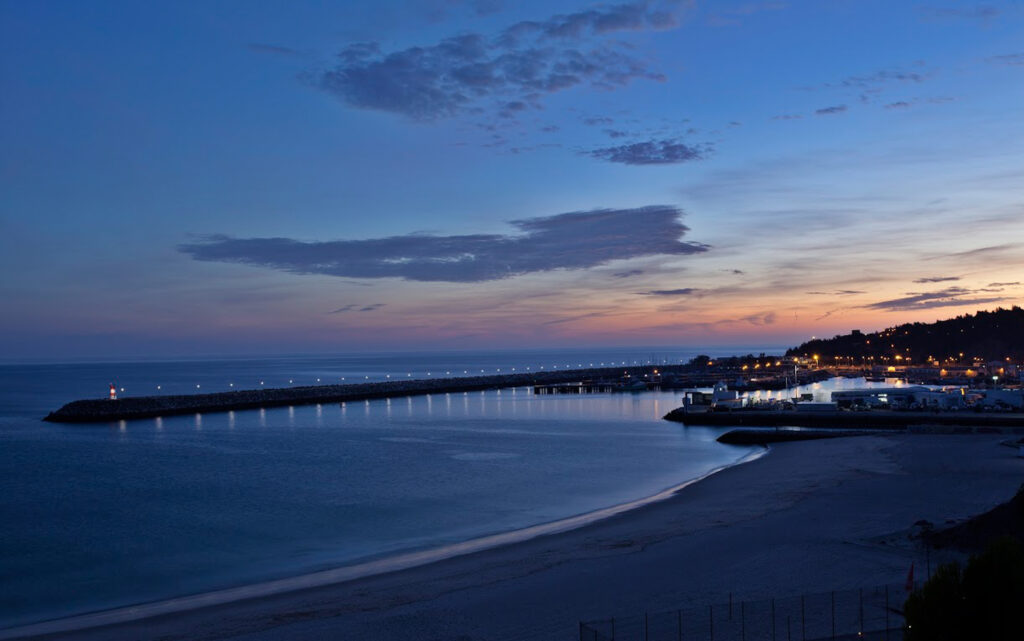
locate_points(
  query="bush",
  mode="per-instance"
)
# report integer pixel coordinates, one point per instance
(981, 601)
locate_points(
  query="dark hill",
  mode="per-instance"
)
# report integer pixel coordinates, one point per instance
(987, 336)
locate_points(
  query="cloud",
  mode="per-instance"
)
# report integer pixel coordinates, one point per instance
(899, 104)
(824, 111)
(357, 308)
(575, 240)
(685, 291)
(949, 297)
(766, 318)
(471, 73)
(615, 133)
(628, 273)
(880, 77)
(734, 15)
(593, 121)
(259, 47)
(991, 250)
(1004, 284)
(787, 117)
(652, 152)
(840, 292)
(937, 279)
(979, 12)
(1013, 59)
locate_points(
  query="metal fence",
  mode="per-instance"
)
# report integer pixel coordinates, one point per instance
(874, 613)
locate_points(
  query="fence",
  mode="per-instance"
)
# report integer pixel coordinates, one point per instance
(869, 613)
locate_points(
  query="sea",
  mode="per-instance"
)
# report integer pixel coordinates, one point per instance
(94, 517)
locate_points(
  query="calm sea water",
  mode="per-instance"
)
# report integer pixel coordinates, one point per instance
(98, 516)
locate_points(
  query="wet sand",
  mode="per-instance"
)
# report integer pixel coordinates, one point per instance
(811, 516)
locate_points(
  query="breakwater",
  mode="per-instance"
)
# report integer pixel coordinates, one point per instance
(842, 419)
(129, 408)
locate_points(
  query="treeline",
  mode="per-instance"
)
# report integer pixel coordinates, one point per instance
(988, 336)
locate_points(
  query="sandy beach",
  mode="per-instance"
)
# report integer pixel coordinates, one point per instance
(808, 517)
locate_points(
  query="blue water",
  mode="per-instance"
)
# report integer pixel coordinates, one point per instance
(100, 516)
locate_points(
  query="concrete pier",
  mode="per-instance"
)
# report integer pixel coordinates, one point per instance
(127, 408)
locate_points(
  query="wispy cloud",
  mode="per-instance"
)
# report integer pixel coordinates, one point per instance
(899, 104)
(260, 47)
(628, 273)
(1004, 284)
(825, 111)
(840, 292)
(949, 297)
(764, 318)
(937, 279)
(735, 15)
(977, 12)
(684, 291)
(476, 74)
(881, 77)
(575, 240)
(357, 308)
(652, 152)
(1014, 59)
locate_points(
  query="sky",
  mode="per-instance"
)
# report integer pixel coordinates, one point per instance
(186, 178)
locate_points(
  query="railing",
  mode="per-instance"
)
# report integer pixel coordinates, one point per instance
(870, 613)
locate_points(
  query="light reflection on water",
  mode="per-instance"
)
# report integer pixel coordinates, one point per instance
(190, 503)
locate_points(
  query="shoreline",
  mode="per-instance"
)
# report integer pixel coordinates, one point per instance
(815, 516)
(347, 573)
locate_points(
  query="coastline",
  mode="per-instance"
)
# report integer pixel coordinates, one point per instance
(348, 573)
(814, 516)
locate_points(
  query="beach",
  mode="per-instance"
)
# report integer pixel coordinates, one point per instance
(808, 517)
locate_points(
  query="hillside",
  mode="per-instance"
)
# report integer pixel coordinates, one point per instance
(987, 336)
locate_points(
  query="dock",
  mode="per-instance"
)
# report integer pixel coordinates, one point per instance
(845, 419)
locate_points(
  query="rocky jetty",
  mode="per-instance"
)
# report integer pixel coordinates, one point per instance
(105, 410)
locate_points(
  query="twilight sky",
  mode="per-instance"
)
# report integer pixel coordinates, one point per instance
(265, 177)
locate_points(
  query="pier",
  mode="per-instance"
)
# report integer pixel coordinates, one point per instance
(570, 381)
(103, 410)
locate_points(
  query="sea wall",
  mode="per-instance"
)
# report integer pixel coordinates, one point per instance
(127, 408)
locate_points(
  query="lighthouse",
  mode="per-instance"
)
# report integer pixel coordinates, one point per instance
(113, 392)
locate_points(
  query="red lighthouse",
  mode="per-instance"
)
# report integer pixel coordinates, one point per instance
(113, 392)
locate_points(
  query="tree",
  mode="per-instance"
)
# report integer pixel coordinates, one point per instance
(981, 601)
